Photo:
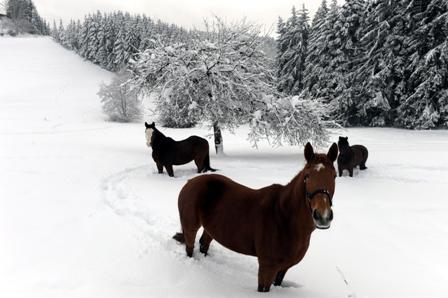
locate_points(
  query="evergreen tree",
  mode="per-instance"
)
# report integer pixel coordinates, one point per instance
(349, 91)
(25, 16)
(292, 60)
(84, 37)
(55, 32)
(320, 75)
(119, 52)
(317, 46)
(62, 39)
(382, 67)
(100, 46)
(111, 40)
(425, 106)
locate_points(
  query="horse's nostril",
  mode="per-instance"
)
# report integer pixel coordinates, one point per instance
(316, 215)
(330, 217)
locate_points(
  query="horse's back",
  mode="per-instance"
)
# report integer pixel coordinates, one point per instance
(361, 153)
(195, 141)
(184, 151)
(209, 189)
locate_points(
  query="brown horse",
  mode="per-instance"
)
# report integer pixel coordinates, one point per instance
(273, 223)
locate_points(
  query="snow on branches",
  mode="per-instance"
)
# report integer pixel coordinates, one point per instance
(120, 102)
(291, 119)
(222, 77)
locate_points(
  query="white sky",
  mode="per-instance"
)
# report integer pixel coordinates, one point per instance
(185, 13)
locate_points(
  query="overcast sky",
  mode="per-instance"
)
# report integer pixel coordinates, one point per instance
(188, 13)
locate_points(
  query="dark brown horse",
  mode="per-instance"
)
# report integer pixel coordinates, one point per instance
(351, 156)
(273, 223)
(167, 152)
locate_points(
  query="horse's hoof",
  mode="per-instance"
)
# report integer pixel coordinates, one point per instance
(189, 252)
(203, 250)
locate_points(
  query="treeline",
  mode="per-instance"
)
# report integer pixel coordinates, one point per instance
(376, 63)
(25, 17)
(111, 40)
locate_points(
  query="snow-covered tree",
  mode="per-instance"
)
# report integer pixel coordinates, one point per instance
(316, 46)
(55, 32)
(426, 103)
(120, 102)
(111, 40)
(321, 78)
(349, 90)
(290, 119)
(381, 69)
(25, 17)
(222, 78)
(293, 50)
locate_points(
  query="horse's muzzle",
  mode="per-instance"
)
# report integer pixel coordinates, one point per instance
(322, 222)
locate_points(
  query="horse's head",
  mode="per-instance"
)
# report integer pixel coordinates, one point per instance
(149, 129)
(319, 177)
(343, 143)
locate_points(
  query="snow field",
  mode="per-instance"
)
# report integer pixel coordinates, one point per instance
(83, 212)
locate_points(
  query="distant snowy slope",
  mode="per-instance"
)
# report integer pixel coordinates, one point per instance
(83, 212)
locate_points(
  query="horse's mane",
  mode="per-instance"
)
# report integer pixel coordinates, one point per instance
(158, 132)
(157, 137)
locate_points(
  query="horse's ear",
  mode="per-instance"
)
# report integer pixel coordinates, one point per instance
(333, 152)
(147, 125)
(153, 124)
(309, 152)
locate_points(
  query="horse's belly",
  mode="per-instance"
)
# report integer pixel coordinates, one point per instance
(233, 238)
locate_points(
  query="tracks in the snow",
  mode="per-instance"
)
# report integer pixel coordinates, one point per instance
(156, 229)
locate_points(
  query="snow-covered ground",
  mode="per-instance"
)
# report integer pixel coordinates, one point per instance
(83, 212)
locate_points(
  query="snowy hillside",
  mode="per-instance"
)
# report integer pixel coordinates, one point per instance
(83, 212)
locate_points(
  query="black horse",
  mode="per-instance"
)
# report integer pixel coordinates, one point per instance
(351, 156)
(167, 152)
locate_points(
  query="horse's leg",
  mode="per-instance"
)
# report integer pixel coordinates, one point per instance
(160, 168)
(362, 166)
(169, 169)
(350, 172)
(266, 276)
(198, 164)
(279, 278)
(190, 236)
(204, 242)
(340, 171)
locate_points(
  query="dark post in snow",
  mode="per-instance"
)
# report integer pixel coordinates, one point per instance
(218, 139)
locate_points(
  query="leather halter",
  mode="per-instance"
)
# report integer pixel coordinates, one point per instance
(311, 195)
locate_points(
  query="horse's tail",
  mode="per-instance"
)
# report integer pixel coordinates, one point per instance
(365, 155)
(179, 237)
(207, 164)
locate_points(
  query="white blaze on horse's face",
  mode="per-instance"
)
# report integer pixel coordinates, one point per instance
(319, 167)
(148, 134)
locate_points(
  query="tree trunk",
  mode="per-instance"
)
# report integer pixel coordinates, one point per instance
(219, 147)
